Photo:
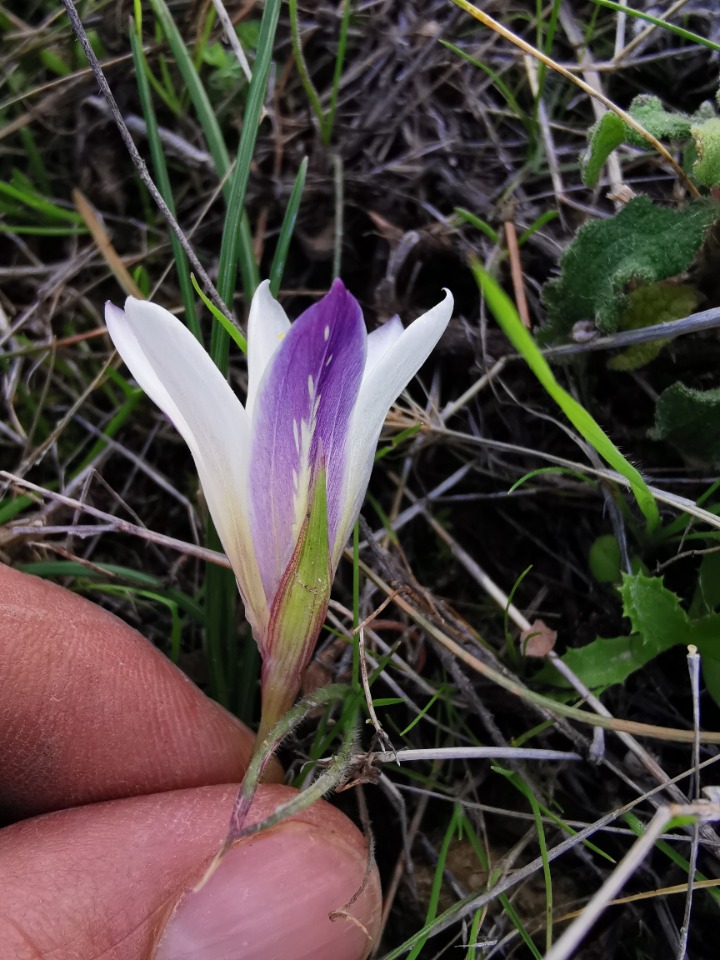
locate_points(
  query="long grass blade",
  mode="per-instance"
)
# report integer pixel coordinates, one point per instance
(163, 179)
(507, 316)
(286, 230)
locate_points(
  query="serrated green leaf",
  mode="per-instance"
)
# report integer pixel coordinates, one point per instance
(690, 420)
(646, 306)
(641, 244)
(601, 663)
(658, 623)
(706, 137)
(604, 137)
(654, 612)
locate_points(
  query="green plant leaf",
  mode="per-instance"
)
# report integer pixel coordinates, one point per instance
(654, 303)
(599, 664)
(706, 137)
(654, 612)
(605, 560)
(604, 137)
(658, 622)
(690, 420)
(661, 123)
(611, 130)
(642, 244)
(627, 10)
(708, 591)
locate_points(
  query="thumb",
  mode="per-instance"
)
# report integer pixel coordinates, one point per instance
(115, 880)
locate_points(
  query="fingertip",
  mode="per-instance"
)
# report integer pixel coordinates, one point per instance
(116, 879)
(313, 890)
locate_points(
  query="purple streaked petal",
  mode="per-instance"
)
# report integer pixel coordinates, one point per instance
(391, 373)
(302, 408)
(267, 327)
(175, 371)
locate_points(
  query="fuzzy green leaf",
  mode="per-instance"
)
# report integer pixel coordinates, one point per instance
(690, 420)
(707, 145)
(655, 303)
(610, 131)
(642, 244)
(604, 136)
(661, 123)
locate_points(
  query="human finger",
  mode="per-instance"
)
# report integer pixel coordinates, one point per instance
(89, 710)
(115, 880)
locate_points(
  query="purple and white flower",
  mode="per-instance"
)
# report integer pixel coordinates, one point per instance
(285, 475)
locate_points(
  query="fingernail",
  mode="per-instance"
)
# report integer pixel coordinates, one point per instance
(272, 897)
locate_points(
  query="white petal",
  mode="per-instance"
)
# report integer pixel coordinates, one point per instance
(381, 340)
(175, 371)
(267, 325)
(389, 376)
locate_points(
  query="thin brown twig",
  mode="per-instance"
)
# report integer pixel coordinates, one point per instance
(516, 272)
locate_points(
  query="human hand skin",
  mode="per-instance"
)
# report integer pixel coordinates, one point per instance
(128, 773)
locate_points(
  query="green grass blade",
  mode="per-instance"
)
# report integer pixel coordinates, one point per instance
(43, 231)
(32, 200)
(547, 46)
(329, 119)
(671, 853)
(504, 901)
(230, 247)
(450, 834)
(505, 91)
(119, 418)
(474, 221)
(507, 317)
(195, 89)
(232, 330)
(286, 230)
(678, 31)
(137, 579)
(525, 790)
(310, 91)
(537, 225)
(163, 179)
(213, 135)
